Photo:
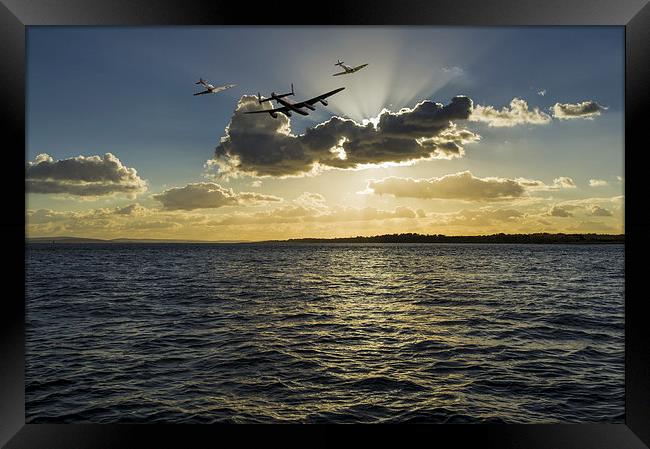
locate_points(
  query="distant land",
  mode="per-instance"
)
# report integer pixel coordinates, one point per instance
(386, 238)
(64, 240)
(493, 238)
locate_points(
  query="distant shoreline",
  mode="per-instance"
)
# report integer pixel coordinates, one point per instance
(537, 238)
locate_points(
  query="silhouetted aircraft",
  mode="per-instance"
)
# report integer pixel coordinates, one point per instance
(288, 106)
(347, 68)
(210, 89)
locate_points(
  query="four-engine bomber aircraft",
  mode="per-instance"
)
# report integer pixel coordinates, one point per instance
(210, 89)
(347, 68)
(288, 106)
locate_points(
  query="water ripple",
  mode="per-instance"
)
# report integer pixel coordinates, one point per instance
(324, 333)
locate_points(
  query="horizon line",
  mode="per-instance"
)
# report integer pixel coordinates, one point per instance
(406, 234)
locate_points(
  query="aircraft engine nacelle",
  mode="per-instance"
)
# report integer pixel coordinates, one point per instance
(323, 102)
(274, 114)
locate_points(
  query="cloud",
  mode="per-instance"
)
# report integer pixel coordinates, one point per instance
(311, 207)
(598, 211)
(312, 200)
(309, 215)
(132, 210)
(259, 145)
(102, 222)
(293, 213)
(42, 216)
(595, 207)
(290, 220)
(562, 182)
(453, 70)
(362, 214)
(517, 113)
(208, 195)
(560, 211)
(462, 186)
(597, 183)
(82, 176)
(485, 217)
(595, 227)
(586, 110)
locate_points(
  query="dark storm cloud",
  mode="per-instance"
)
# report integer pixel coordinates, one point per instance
(208, 195)
(586, 109)
(82, 176)
(259, 145)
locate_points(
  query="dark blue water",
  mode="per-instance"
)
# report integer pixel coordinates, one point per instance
(325, 333)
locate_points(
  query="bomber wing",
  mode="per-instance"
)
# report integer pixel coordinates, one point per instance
(314, 100)
(285, 110)
(282, 109)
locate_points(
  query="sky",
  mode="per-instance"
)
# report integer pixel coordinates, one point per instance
(448, 130)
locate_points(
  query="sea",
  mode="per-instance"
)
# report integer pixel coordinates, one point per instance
(324, 333)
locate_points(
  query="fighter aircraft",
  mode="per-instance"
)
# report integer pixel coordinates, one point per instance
(210, 89)
(288, 106)
(347, 68)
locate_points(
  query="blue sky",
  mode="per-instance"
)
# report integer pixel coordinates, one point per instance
(128, 91)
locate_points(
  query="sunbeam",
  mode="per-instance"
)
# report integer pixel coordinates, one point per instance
(399, 74)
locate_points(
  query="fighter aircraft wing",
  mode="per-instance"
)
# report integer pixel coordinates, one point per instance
(314, 100)
(221, 88)
(359, 67)
(201, 93)
(340, 73)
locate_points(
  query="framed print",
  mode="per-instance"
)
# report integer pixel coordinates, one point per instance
(376, 214)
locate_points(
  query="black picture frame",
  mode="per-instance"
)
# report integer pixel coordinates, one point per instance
(634, 15)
